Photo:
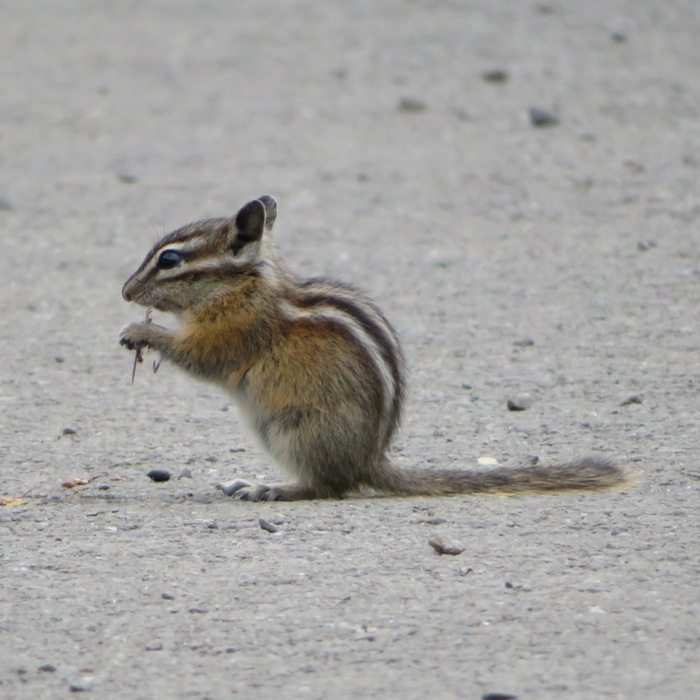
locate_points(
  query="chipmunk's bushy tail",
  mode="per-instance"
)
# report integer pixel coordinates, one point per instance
(587, 474)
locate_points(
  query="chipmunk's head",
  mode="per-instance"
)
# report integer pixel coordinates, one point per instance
(204, 260)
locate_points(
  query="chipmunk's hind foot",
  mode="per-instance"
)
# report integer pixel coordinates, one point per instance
(244, 491)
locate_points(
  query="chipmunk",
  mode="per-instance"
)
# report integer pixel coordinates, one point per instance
(315, 367)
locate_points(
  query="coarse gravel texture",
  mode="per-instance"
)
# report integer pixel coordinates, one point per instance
(561, 262)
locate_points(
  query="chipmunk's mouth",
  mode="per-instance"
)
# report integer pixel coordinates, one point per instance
(134, 290)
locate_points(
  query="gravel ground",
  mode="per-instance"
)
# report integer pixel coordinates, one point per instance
(559, 261)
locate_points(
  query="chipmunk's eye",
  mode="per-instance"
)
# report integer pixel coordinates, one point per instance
(168, 259)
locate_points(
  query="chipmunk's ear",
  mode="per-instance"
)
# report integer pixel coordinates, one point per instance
(270, 210)
(248, 227)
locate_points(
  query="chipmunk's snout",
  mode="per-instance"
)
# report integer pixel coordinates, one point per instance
(128, 289)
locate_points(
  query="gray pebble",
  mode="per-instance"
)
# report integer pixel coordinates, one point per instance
(47, 668)
(619, 36)
(186, 473)
(159, 475)
(199, 497)
(127, 177)
(542, 117)
(496, 75)
(412, 104)
(167, 596)
(517, 587)
(635, 398)
(154, 646)
(70, 431)
(267, 525)
(645, 245)
(446, 545)
(521, 402)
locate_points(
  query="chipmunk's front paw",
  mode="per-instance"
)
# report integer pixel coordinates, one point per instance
(231, 487)
(136, 336)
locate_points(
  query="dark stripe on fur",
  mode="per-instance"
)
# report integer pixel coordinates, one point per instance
(388, 350)
(222, 272)
(369, 367)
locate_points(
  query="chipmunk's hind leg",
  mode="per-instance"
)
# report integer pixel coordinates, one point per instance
(333, 482)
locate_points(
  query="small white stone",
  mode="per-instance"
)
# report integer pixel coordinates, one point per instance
(486, 461)
(82, 685)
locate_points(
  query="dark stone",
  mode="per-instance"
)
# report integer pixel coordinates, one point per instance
(158, 475)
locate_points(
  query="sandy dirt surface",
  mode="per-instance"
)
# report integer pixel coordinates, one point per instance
(560, 261)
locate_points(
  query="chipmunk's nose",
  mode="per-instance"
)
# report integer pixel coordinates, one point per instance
(127, 290)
